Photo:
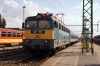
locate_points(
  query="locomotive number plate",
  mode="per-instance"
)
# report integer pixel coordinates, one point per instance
(37, 31)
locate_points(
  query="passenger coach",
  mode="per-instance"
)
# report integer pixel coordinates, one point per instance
(9, 37)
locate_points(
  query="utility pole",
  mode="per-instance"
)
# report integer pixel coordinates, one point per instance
(23, 18)
(87, 31)
(23, 13)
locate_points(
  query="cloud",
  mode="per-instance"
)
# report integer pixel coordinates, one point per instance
(80, 6)
(31, 8)
(13, 12)
(47, 9)
(15, 23)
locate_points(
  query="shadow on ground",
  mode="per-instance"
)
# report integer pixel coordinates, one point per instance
(90, 65)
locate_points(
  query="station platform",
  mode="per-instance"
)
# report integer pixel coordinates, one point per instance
(72, 56)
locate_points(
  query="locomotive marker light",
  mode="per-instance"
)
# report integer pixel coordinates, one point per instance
(46, 41)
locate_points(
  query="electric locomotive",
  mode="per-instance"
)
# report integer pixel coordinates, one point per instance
(45, 34)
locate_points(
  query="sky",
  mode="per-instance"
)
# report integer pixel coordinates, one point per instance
(12, 11)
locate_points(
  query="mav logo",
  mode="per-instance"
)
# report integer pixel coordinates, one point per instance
(38, 36)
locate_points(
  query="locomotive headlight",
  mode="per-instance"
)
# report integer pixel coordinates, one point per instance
(46, 41)
(26, 40)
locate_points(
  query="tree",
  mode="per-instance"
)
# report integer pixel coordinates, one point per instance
(2, 22)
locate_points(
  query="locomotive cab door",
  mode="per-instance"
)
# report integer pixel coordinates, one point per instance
(56, 29)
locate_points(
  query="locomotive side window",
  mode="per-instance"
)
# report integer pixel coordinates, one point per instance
(3, 34)
(14, 34)
(9, 34)
(55, 24)
(59, 26)
(18, 34)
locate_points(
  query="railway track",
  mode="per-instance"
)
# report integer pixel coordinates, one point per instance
(29, 61)
(10, 53)
(9, 50)
(15, 57)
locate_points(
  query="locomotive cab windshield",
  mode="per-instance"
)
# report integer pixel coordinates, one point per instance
(38, 24)
(40, 21)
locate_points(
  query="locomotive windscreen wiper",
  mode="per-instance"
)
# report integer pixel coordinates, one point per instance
(33, 25)
(46, 25)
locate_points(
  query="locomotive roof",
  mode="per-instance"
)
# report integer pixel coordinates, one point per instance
(48, 17)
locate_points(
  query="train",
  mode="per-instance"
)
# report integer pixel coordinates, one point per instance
(96, 39)
(45, 34)
(10, 37)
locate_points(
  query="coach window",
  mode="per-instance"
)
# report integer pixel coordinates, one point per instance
(14, 34)
(9, 34)
(3, 34)
(66, 30)
(62, 28)
(18, 34)
(55, 24)
(21, 35)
